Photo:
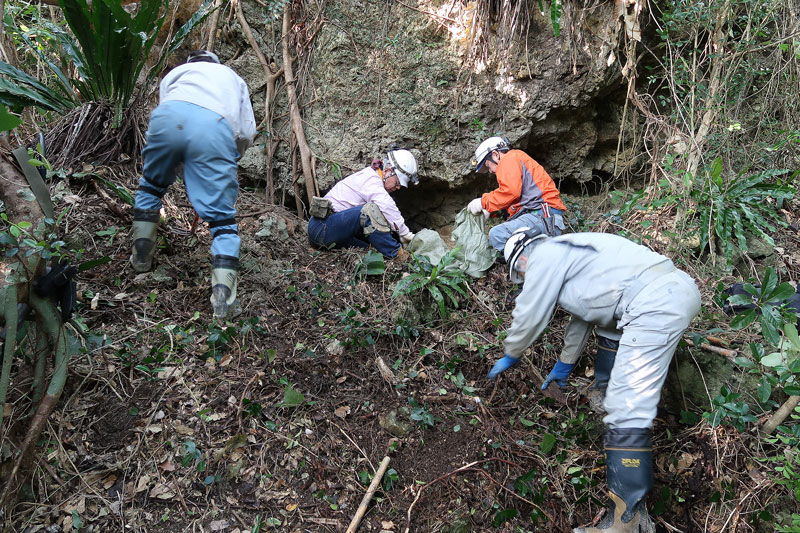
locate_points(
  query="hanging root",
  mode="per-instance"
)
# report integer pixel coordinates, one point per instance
(49, 323)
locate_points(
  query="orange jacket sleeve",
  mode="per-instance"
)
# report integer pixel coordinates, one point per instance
(509, 184)
(514, 168)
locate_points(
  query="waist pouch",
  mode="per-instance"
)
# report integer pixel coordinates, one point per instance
(320, 207)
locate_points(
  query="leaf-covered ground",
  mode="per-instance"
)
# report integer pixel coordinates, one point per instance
(278, 419)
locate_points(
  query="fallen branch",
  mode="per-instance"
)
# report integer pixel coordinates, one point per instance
(272, 72)
(386, 372)
(362, 509)
(730, 354)
(716, 341)
(110, 203)
(780, 415)
(212, 31)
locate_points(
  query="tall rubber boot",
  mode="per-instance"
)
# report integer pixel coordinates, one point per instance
(224, 282)
(145, 226)
(603, 363)
(629, 472)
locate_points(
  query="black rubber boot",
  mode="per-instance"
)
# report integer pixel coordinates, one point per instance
(629, 471)
(603, 363)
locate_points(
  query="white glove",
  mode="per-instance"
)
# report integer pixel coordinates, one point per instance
(486, 214)
(475, 207)
(407, 238)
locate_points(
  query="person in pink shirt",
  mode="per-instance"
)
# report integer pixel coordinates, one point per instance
(363, 211)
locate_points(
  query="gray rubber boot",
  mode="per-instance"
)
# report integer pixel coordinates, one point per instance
(224, 284)
(629, 472)
(144, 244)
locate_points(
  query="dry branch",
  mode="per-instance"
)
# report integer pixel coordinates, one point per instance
(212, 28)
(362, 509)
(272, 73)
(730, 354)
(780, 415)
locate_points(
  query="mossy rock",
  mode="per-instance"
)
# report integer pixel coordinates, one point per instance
(695, 377)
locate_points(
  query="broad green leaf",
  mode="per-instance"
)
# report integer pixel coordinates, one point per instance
(769, 282)
(548, 441)
(764, 391)
(86, 265)
(716, 170)
(740, 299)
(770, 325)
(8, 121)
(743, 320)
(772, 360)
(501, 517)
(790, 330)
(792, 390)
(750, 289)
(439, 299)
(292, 398)
(781, 293)
(555, 16)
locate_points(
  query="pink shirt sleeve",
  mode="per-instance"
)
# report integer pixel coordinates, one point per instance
(374, 192)
(366, 186)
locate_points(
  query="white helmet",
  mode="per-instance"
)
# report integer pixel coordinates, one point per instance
(486, 148)
(513, 249)
(404, 165)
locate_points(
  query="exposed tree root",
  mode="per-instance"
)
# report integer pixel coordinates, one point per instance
(86, 135)
(296, 120)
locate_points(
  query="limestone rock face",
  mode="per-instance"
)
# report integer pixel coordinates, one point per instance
(438, 77)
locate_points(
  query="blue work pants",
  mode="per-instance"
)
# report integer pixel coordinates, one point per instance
(343, 230)
(498, 235)
(180, 132)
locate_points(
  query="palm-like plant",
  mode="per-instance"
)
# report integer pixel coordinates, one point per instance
(101, 61)
(727, 209)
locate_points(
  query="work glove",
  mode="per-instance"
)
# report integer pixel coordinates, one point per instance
(559, 374)
(486, 214)
(502, 365)
(407, 238)
(475, 207)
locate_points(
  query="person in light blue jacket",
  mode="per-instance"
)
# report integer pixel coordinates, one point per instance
(629, 293)
(205, 121)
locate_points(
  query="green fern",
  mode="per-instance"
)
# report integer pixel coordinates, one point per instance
(728, 209)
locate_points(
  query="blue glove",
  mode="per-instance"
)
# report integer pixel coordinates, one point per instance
(559, 374)
(502, 365)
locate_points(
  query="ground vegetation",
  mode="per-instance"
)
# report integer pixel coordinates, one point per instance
(141, 412)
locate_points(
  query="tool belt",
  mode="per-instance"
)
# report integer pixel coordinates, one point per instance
(546, 213)
(320, 207)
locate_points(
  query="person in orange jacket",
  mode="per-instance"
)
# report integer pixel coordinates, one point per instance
(524, 189)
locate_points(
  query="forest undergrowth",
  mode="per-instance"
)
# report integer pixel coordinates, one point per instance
(279, 418)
